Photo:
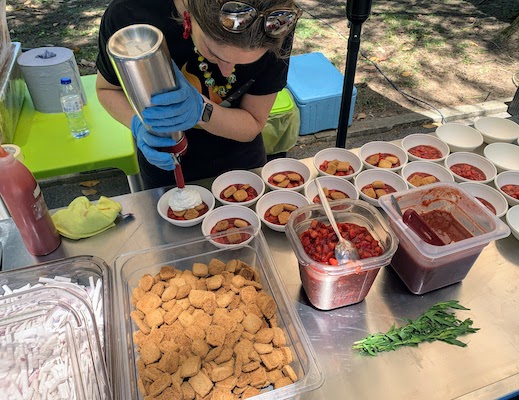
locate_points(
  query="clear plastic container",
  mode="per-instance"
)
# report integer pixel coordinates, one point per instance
(132, 266)
(83, 271)
(49, 345)
(424, 267)
(328, 286)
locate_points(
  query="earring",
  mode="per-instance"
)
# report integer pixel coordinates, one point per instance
(187, 25)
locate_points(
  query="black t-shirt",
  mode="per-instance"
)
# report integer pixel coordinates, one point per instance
(207, 155)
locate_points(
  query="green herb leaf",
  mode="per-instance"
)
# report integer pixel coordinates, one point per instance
(437, 323)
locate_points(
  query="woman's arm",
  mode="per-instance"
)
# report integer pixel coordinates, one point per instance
(114, 100)
(241, 124)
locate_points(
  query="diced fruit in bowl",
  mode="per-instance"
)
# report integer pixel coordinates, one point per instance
(425, 147)
(285, 174)
(383, 155)
(238, 187)
(275, 208)
(470, 167)
(335, 161)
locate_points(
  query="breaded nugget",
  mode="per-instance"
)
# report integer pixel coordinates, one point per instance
(279, 178)
(284, 183)
(220, 393)
(240, 195)
(169, 293)
(429, 179)
(187, 391)
(380, 193)
(285, 381)
(146, 282)
(385, 164)
(337, 195)
(233, 237)
(294, 177)
(159, 385)
(167, 273)
(373, 159)
(199, 297)
(169, 362)
(222, 372)
(150, 352)
(200, 269)
(171, 316)
(416, 180)
(179, 213)
(279, 339)
(240, 223)
(370, 192)
(343, 166)
(215, 335)
(378, 184)
(201, 384)
(252, 323)
(277, 209)
(158, 288)
(392, 159)
(191, 214)
(183, 291)
(190, 367)
(216, 266)
(265, 335)
(221, 226)
(230, 191)
(154, 318)
(283, 217)
(148, 302)
(331, 168)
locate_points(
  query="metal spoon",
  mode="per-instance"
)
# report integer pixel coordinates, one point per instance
(344, 250)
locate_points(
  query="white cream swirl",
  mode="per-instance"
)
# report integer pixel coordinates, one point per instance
(184, 199)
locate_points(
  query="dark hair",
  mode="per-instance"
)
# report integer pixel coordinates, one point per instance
(206, 13)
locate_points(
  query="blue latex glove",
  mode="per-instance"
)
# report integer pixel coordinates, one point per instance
(147, 142)
(177, 110)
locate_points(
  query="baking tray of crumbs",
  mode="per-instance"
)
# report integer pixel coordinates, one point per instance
(201, 320)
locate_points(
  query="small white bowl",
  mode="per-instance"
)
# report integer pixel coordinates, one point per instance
(507, 178)
(372, 148)
(441, 173)
(230, 211)
(495, 129)
(485, 192)
(331, 182)
(279, 197)
(368, 176)
(512, 219)
(238, 177)
(425, 139)
(163, 206)
(459, 137)
(285, 164)
(337, 153)
(505, 156)
(486, 166)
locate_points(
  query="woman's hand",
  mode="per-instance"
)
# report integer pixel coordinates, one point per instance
(147, 143)
(177, 110)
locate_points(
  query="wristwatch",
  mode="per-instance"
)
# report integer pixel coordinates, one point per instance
(207, 112)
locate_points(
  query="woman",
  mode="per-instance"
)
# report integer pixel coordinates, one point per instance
(219, 47)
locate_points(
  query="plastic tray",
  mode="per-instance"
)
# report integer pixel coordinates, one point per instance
(329, 286)
(424, 267)
(79, 269)
(50, 345)
(132, 266)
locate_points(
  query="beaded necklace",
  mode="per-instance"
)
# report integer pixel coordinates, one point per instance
(221, 90)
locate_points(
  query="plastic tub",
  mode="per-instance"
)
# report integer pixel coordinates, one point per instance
(327, 286)
(424, 267)
(51, 345)
(132, 266)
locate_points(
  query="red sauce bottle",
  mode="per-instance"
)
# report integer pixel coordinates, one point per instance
(24, 201)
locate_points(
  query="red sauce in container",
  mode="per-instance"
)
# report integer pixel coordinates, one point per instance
(511, 190)
(468, 171)
(292, 183)
(251, 193)
(448, 228)
(426, 151)
(230, 228)
(487, 204)
(201, 212)
(317, 199)
(324, 167)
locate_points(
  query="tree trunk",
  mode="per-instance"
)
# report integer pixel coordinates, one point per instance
(511, 30)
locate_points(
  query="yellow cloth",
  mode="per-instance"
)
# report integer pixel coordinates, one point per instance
(82, 219)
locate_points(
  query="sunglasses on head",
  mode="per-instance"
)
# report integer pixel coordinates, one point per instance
(236, 17)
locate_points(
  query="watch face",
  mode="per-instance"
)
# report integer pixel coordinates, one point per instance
(208, 110)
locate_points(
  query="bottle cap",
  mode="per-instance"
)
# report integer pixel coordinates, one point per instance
(66, 81)
(3, 152)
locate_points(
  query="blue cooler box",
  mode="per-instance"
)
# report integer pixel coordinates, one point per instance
(316, 86)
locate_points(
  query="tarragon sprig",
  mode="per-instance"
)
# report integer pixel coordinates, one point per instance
(437, 323)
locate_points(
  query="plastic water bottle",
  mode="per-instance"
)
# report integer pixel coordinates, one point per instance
(72, 106)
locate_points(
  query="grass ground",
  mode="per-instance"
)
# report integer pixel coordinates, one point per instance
(444, 52)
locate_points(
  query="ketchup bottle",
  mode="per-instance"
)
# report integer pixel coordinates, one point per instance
(24, 201)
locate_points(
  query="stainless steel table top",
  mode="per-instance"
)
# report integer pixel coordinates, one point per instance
(488, 368)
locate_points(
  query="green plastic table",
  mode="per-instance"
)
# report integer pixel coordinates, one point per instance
(50, 150)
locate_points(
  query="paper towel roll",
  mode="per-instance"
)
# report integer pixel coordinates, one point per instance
(14, 150)
(43, 69)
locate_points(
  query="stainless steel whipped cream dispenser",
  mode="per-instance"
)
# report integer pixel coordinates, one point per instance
(141, 59)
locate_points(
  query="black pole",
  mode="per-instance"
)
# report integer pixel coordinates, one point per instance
(349, 80)
(357, 12)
